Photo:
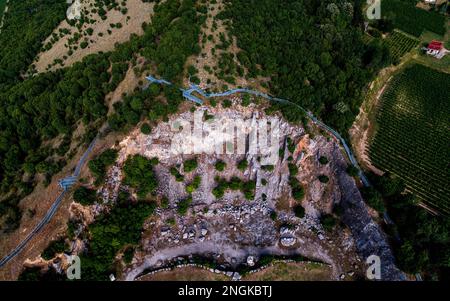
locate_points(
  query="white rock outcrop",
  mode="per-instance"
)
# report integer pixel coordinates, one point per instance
(74, 11)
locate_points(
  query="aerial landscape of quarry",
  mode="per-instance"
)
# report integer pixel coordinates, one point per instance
(224, 140)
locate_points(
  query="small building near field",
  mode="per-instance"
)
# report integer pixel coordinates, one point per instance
(435, 48)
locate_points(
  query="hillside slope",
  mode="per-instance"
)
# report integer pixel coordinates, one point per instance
(94, 33)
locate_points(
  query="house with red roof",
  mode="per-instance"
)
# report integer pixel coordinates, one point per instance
(435, 48)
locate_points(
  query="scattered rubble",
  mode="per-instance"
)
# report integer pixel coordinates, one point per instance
(232, 230)
(288, 241)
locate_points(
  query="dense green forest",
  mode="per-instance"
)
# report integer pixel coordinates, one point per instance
(312, 51)
(44, 107)
(28, 23)
(2, 7)
(85, 196)
(421, 241)
(110, 233)
(55, 247)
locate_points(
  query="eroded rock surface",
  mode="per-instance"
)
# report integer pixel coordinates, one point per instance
(231, 229)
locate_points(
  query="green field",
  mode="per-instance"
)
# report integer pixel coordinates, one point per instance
(412, 20)
(399, 44)
(2, 7)
(412, 139)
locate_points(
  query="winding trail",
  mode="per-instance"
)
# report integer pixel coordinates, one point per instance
(68, 182)
(65, 184)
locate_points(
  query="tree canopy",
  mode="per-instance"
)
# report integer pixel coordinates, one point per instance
(312, 51)
(139, 175)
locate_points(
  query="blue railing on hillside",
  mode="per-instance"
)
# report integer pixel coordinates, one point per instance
(187, 93)
(65, 184)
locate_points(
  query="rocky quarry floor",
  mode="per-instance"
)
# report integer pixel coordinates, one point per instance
(231, 229)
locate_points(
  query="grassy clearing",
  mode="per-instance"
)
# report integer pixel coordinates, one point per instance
(442, 64)
(302, 271)
(411, 19)
(428, 36)
(413, 134)
(185, 274)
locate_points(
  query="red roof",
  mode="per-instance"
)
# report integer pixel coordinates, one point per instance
(435, 45)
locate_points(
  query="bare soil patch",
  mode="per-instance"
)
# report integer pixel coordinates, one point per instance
(100, 40)
(364, 126)
(207, 62)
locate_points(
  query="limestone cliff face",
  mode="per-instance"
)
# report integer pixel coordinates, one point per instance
(369, 238)
(367, 235)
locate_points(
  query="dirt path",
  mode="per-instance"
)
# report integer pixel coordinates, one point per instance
(364, 126)
(42, 199)
(361, 132)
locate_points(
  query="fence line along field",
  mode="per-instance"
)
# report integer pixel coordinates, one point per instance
(399, 44)
(411, 19)
(413, 134)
